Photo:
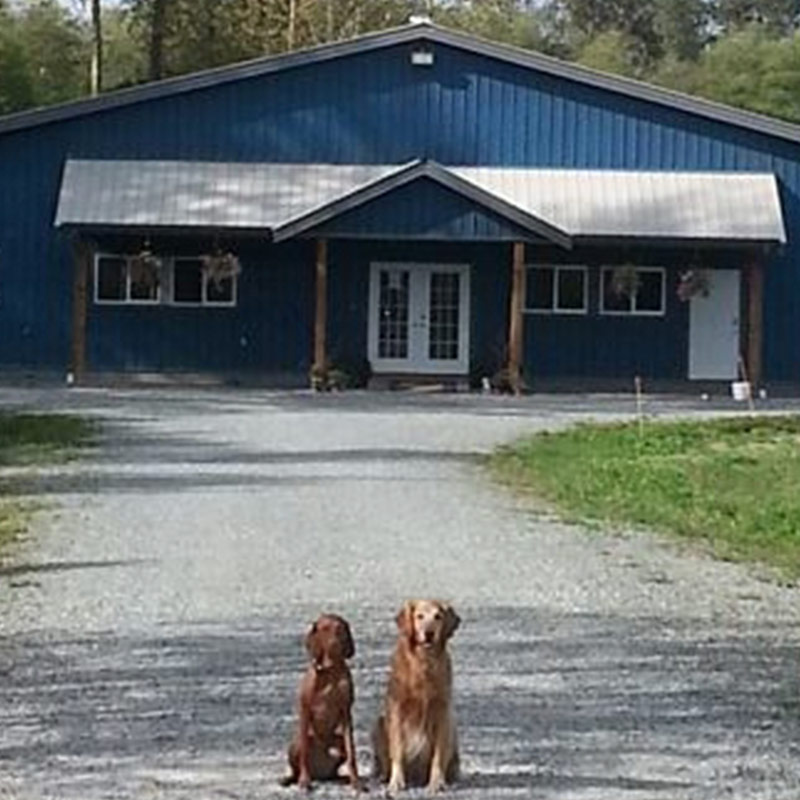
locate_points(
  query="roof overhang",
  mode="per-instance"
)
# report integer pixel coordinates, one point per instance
(285, 201)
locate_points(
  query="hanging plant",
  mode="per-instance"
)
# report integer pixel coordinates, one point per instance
(220, 266)
(625, 281)
(145, 268)
(693, 282)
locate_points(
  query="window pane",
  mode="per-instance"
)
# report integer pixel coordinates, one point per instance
(111, 277)
(219, 291)
(187, 281)
(570, 290)
(613, 300)
(540, 289)
(650, 295)
(144, 281)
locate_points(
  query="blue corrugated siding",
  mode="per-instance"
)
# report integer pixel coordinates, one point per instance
(423, 210)
(268, 330)
(373, 107)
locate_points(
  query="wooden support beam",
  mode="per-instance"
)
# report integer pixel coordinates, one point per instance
(82, 257)
(321, 308)
(755, 323)
(515, 318)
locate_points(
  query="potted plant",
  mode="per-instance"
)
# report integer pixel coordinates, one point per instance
(220, 266)
(145, 268)
(625, 281)
(693, 282)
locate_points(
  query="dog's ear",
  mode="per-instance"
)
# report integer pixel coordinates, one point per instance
(451, 620)
(348, 646)
(313, 645)
(405, 619)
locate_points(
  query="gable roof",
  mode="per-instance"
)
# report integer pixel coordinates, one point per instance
(287, 200)
(415, 32)
(450, 179)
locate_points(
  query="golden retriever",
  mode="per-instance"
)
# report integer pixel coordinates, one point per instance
(323, 740)
(414, 740)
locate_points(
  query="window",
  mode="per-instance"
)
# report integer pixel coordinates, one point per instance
(649, 299)
(191, 285)
(120, 279)
(558, 290)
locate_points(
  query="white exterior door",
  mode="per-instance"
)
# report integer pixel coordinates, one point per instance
(419, 318)
(714, 328)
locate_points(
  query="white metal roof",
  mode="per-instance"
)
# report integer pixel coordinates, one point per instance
(581, 203)
(617, 203)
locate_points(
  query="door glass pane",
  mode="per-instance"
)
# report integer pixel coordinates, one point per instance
(393, 313)
(444, 313)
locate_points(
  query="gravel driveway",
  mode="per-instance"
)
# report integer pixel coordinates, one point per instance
(151, 625)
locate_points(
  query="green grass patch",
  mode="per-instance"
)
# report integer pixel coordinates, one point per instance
(41, 438)
(34, 439)
(731, 483)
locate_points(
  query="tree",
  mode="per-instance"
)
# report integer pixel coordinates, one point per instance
(16, 86)
(54, 44)
(612, 51)
(683, 27)
(96, 74)
(780, 16)
(754, 70)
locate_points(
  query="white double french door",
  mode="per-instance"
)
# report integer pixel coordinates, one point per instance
(419, 318)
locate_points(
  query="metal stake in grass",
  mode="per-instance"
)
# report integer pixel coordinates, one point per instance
(637, 384)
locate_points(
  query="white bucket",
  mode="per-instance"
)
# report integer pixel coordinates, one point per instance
(740, 390)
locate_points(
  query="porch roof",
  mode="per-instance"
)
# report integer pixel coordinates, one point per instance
(286, 200)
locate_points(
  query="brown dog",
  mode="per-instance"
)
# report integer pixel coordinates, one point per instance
(414, 739)
(323, 740)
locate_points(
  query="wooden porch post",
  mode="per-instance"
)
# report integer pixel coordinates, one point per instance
(515, 319)
(82, 257)
(321, 309)
(755, 322)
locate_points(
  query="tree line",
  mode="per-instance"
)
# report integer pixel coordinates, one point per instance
(742, 52)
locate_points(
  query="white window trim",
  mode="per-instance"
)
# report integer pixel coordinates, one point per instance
(204, 302)
(554, 309)
(127, 300)
(634, 312)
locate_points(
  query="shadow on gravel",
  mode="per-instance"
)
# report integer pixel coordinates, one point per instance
(67, 566)
(555, 706)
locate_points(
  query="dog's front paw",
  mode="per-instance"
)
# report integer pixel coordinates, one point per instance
(396, 784)
(436, 784)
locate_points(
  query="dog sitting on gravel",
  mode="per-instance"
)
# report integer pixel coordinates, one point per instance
(414, 739)
(323, 740)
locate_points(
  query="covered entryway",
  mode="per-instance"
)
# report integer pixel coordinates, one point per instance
(411, 313)
(419, 318)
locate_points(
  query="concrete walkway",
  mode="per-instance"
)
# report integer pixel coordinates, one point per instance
(152, 623)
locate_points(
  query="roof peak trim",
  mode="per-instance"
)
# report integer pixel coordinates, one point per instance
(408, 173)
(528, 59)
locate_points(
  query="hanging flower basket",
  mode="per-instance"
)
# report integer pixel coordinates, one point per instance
(145, 268)
(625, 281)
(219, 267)
(693, 282)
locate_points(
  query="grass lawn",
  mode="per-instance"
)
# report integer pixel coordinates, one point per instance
(733, 483)
(34, 439)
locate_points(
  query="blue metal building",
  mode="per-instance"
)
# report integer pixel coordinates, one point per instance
(416, 202)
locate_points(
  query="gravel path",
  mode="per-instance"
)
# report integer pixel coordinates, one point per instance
(151, 625)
